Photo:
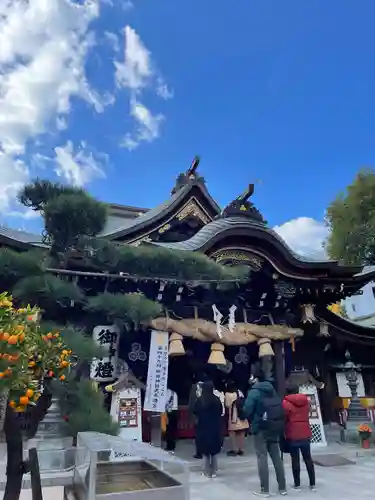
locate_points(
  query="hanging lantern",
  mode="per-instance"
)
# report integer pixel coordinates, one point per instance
(176, 347)
(217, 355)
(265, 348)
(323, 329)
(308, 315)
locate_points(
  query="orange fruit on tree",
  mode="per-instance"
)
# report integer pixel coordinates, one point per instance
(62, 377)
(2, 374)
(21, 337)
(29, 393)
(24, 400)
(12, 403)
(6, 336)
(13, 339)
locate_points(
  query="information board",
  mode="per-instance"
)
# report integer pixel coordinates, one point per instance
(127, 413)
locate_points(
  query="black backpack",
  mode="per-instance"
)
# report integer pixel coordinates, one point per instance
(272, 416)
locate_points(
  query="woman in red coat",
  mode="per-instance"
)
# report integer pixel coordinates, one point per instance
(298, 435)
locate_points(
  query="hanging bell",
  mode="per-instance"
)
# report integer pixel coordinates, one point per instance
(323, 329)
(176, 347)
(265, 348)
(217, 355)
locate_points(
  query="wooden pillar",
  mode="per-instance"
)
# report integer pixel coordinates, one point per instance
(328, 396)
(278, 348)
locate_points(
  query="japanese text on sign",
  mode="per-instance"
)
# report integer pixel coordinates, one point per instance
(157, 375)
(104, 369)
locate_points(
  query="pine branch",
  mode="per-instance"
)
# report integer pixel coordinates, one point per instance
(46, 291)
(131, 307)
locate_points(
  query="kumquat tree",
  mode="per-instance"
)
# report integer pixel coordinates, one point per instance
(30, 359)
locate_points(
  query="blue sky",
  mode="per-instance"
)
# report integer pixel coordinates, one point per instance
(280, 91)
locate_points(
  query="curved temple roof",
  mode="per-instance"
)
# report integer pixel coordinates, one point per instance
(240, 222)
(161, 211)
(347, 329)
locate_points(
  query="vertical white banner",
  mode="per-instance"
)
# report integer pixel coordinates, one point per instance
(104, 369)
(157, 374)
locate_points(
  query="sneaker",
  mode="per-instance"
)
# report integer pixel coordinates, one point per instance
(213, 476)
(263, 494)
(240, 453)
(199, 457)
(312, 488)
(283, 493)
(296, 488)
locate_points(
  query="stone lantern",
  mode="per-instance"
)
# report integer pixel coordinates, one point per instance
(357, 413)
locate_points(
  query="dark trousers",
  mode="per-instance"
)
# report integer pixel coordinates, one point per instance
(304, 447)
(263, 448)
(171, 431)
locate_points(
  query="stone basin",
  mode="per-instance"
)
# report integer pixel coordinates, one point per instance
(132, 479)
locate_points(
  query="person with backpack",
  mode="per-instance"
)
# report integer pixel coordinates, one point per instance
(263, 407)
(237, 427)
(298, 434)
(208, 411)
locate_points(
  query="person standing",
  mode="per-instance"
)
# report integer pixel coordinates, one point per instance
(172, 421)
(298, 435)
(208, 412)
(263, 407)
(237, 427)
(195, 393)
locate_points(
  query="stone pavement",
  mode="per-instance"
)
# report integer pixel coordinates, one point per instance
(345, 483)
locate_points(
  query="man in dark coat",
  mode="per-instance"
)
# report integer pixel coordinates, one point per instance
(195, 393)
(263, 408)
(208, 411)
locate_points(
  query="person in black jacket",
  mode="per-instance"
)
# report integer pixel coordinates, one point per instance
(208, 412)
(195, 393)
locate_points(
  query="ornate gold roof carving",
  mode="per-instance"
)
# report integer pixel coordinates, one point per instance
(192, 209)
(238, 257)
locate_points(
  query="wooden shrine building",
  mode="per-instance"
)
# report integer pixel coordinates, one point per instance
(287, 294)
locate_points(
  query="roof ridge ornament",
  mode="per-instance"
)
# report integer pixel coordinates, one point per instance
(242, 207)
(189, 176)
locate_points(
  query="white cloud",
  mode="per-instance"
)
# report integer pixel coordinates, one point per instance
(27, 214)
(147, 126)
(78, 168)
(43, 48)
(305, 236)
(127, 5)
(112, 40)
(13, 174)
(162, 89)
(136, 73)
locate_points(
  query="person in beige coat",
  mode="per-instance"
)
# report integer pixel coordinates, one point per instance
(237, 428)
